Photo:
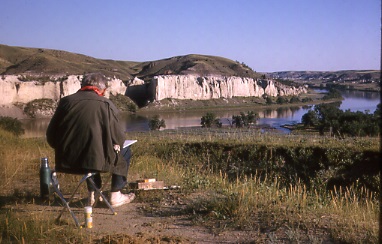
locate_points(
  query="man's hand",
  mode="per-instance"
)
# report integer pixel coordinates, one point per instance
(117, 148)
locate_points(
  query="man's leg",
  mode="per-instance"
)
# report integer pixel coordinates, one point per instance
(98, 182)
(126, 153)
(118, 182)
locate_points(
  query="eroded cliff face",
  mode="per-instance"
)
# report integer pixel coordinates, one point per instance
(14, 91)
(194, 87)
(210, 87)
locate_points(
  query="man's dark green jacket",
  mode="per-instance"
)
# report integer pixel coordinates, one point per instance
(83, 131)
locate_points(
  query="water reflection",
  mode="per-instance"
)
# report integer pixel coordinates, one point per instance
(360, 101)
(354, 100)
(35, 127)
(361, 95)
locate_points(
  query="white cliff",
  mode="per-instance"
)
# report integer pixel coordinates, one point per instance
(14, 91)
(209, 87)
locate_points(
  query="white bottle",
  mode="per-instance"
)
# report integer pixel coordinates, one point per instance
(88, 217)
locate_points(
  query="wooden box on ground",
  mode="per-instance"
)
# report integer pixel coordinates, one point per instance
(147, 184)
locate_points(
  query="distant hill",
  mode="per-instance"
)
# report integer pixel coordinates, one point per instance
(342, 75)
(22, 60)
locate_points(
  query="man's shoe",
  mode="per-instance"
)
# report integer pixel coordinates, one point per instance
(92, 197)
(118, 199)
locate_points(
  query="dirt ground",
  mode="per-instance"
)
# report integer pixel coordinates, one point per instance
(163, 216)
(160, 219)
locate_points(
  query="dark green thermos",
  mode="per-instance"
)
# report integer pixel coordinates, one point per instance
(44, 178)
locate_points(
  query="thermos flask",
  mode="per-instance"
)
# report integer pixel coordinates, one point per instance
(44, 178)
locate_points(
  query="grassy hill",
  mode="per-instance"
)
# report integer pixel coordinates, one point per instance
(22, 60)
(195, 64)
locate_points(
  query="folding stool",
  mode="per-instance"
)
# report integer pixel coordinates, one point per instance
(57, 190)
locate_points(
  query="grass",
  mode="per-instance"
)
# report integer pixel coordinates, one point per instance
(235, 179)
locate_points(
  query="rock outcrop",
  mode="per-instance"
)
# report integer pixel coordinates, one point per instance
(14, 91)
(210, 87)
(161, 87)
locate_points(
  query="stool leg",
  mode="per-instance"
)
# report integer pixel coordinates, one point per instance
(102, 195)
(66, 203)
(66, 206)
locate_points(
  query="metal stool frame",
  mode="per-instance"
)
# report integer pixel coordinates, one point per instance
(65, 202)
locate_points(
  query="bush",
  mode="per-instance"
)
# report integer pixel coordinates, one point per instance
(209, 120)
(328, 117)
(306, 99)
(12, 125)
(155, 123)
(294, 99)
(245, 119)
(310, 118)
(332, 94)
(281, 100)
(269, 100)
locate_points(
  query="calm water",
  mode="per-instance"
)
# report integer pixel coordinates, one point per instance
(354, 100)
(360, 101)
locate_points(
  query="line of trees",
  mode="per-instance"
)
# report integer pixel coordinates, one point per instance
(242, 120)
(329, 118)
(325, 118)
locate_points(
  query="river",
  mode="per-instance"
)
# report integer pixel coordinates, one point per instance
(353, 100)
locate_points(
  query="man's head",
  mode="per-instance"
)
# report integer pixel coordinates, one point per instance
(95, 79)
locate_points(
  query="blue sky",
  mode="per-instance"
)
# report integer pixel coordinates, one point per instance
(267, 35)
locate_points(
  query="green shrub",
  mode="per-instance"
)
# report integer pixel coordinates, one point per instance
(306, 99)
(245, 119)
(281, 100)
(328, 117)
(155, 123)
(310, 118)
(209, 120)
(332, 94)
(294, 99)
(269, 100)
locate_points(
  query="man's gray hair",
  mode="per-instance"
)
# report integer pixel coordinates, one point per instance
(95, 79)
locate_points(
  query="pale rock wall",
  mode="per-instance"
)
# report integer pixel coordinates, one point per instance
(7, 90)
(271, 89)
(204, 88)
(290, 91)
(116, 86)
(12, 90)
(136, 82)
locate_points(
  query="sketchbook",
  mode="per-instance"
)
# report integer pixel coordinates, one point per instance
(128, 143)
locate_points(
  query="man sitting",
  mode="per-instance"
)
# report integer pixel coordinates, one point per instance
(86, 136)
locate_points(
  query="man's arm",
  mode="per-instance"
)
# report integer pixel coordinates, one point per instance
(117, 132)
(52, 130)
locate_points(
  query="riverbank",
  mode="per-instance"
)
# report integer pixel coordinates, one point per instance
(223, 104)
